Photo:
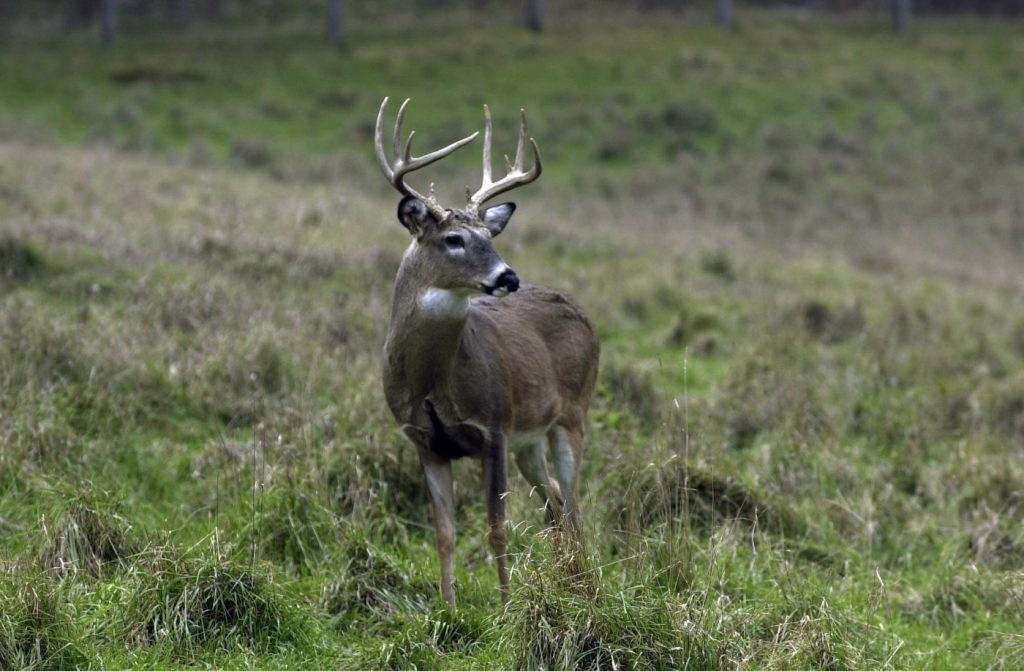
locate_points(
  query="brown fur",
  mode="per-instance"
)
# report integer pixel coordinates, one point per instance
(464, 384)
(468, 375)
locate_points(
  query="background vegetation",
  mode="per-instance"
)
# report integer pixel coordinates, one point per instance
(801, 243)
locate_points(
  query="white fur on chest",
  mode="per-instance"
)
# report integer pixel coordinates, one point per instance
(441, 303)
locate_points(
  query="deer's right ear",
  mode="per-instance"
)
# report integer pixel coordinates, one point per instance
(414, 214)
(496, 217)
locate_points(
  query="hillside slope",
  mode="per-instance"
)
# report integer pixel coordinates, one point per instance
(805, 450)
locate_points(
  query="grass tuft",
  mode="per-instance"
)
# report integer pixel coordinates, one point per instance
(191, 603)
(632, 391)
(242, 385)
(373, 583)
(18, 260)
(91, 535)
(827, 324)
(558, 619)
(293, 529)
(679, 493)
(35, 631)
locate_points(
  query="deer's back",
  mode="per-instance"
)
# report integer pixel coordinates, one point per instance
(548, 344)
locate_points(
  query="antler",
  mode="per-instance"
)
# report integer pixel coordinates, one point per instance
(515, 176)
(405, 162)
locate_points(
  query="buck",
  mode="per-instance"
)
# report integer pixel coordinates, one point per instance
(475, 364)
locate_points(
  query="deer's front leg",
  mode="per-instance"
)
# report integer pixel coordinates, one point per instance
(496, 484)
(438, 473)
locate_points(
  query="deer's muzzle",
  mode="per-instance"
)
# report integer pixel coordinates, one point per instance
(507, 283)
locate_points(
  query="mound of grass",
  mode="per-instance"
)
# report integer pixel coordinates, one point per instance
(631, 392)
(193, 603)
(779, 389)
(558, 618)
(293, 529)
(441, 638)
(373, 583)
(35, 631)
(90, 535)
(677, 493)
(18, 260)
(828, 324)
(1006, 401)
(959, 595)
(411, 650)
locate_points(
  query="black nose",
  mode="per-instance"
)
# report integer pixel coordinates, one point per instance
(509, 280)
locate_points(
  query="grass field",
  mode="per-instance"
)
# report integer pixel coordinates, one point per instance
(802, 245)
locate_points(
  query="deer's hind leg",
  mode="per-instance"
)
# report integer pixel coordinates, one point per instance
(566, 449)
(531, 458)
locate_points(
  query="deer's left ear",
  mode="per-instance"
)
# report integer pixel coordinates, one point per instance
(496, 217)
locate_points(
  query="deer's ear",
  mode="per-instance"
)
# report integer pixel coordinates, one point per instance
(414, 214)
(496, 217)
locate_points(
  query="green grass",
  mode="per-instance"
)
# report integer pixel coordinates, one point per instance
(800, 245)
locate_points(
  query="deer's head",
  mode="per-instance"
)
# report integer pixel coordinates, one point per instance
(453, 249)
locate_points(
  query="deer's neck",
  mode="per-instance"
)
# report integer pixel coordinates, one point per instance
(426, 332)
(443, 304)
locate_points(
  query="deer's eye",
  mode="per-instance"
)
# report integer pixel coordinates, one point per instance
(454, 241)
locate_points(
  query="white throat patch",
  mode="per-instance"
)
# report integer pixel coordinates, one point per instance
(440, 303)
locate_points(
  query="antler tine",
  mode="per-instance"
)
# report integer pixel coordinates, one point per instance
(417, 162)
(488, 135)
(404, 162)
(520, 145)
(378, 142)
(515, 176)
(396, 139)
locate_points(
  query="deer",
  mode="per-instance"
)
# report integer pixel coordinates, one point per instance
(476, 364)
